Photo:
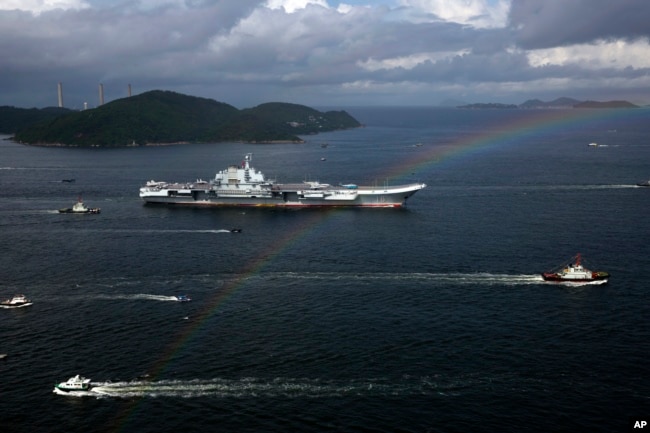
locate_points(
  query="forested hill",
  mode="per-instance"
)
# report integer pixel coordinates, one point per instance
(161, 117)
(13, 119)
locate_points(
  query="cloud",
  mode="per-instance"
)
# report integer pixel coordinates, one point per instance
(552, 23)
(319, 52)
(601, 54)
(477, 13)
(38, 6)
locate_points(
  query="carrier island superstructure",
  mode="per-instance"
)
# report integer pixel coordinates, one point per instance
(242, 185)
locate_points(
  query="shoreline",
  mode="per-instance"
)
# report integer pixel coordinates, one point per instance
(176, 143)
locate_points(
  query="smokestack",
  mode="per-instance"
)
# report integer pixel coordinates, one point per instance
(101, 94)
(60, 88)
(129, 90)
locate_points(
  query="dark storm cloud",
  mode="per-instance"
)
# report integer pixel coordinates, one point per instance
(551, 23)
(245, 53)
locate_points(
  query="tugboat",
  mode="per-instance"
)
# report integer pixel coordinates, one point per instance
(79, 207)
(574, 272)
(17, 301)
(76, 383)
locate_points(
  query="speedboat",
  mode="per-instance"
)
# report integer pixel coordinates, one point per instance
(16, 301)
(235, 230)
(76, 383)
(183, 298)
(574, 272)
(79, 207)
(644, 183)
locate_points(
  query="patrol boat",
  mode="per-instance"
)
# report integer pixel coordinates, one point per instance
(76, 383)
(242, 185)
(17, 301)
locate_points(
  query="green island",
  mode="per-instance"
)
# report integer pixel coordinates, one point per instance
(162, 117)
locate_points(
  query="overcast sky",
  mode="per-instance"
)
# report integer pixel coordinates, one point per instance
(325, 52)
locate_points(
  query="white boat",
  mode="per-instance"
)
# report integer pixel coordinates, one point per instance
(242, 185)
(183, 298)
(75, 383)
(79, 207)
(17, 301)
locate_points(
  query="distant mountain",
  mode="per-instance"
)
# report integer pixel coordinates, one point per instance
(490, 105)
(605, 104)
(556, 103)
(159, 117)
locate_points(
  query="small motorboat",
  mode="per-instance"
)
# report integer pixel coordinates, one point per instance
(17, 301)
(235, 230)
(574, 272)
(183, 298)
(76, 383)
(79, 207)
(644, 183)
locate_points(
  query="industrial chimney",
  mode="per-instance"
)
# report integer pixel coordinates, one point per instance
(101, 94)
(60, 88)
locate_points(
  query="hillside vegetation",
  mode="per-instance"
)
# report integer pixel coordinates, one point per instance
(13, 119)
(159, 117)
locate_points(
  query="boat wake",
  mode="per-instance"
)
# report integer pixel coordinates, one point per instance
(283, 387)
(138, 296)
(483, 278)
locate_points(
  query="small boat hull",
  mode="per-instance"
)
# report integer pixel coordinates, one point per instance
(26, 304)
(558, 278)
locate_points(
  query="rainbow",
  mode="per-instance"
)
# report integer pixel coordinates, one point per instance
(183, 338)
(534, 122)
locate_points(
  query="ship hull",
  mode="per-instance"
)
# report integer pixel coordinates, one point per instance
(587, 278)
(243, 186)
(285, 200)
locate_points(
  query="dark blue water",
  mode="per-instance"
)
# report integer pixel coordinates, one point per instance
(428, 319)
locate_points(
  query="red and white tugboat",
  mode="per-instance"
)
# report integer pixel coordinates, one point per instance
(574, 272)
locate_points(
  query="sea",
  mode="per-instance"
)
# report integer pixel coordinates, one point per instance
(430, 318)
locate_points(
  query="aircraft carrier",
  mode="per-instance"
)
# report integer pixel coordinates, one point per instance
(242, 185)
